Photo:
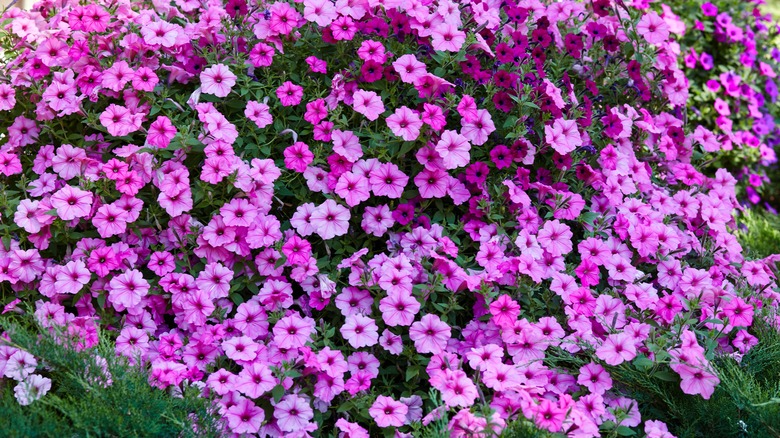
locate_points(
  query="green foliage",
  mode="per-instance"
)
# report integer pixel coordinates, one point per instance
(525, 429)
(759, 233)
(80, 405)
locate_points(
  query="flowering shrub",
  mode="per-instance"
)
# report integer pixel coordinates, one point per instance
(730, 56)
(374, 217)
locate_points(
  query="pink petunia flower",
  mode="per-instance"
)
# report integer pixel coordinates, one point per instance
(244, 417)
(217, 80)
(353, 188)
(447, 37)
(161, 132)
(388, 180)
(71, 202)
(405, 123)
(653, 28)
(453, 148)
(289, 94)
(430, 334)
(321, 12)
(360, 331)
(293, 413)
(298, 156)
(330, 219)
(128, 289)
(388, 412)
(347, 144)
(31, 389)
(292, 331)
(368, 103)
(616, 349)
(563, 136)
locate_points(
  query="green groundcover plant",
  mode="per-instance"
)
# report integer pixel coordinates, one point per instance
(372, 218)
(95, 394)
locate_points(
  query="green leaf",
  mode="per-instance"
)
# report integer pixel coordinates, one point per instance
(625, 431)
(412, 372)
(278, 393)
(407, 146)
(642, 362)
(666, 376)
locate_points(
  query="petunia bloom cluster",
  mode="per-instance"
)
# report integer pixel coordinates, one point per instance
(372, 216)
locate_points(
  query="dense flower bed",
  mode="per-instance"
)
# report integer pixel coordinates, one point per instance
(371, 216)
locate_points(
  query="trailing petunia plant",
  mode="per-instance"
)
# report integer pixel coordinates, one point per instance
(373, 218)
(730, 57)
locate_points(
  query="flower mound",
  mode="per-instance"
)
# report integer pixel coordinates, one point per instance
(372, 215)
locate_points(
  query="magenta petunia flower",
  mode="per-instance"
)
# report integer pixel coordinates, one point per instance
(289, 94)
(161, 132)
(298, 156)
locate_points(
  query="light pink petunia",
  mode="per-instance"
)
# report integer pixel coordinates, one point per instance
(555, 238)
(346, 144)
(388, 180)
(368, 103)
(405, 123)
(360, 331)
(388, 412)
(354, 188)
(293, 413)
(110, 220)
(321, 12)
(399, 308)
(697, 381)
(409, 68)
(128, 288)
(217, 80)
(653, 28)
(563, 136)
(71, 202)
(447, 37)
(330, 219)
(430, 334)
(453, 148)
(292, 331)
(478, 130)
(616, 349)
(258, 113)
(244, 417)
(72, 277)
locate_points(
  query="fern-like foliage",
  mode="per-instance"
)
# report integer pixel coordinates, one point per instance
(85, 400)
